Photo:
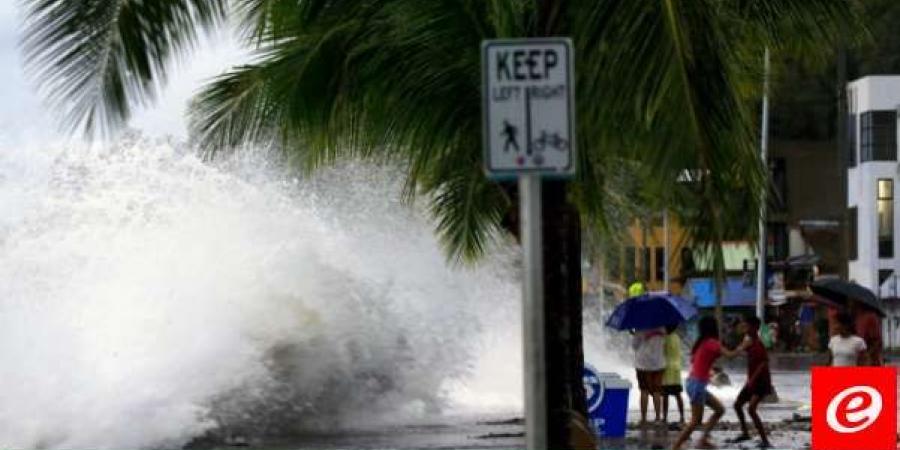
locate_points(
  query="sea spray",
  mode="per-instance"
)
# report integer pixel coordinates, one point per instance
(148, 297)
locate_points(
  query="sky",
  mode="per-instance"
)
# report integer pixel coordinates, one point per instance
(24, 117)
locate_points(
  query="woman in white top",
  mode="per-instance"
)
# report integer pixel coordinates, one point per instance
(845, 348)
(649, 362)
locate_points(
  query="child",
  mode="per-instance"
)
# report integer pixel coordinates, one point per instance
(759, 381)
(705, 352)
(671, 383)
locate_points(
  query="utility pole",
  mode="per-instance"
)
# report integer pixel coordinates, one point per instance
(763, 156)
(666, 275)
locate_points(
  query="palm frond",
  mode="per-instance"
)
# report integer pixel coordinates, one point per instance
(468, 209)
(662, 88)
(391, 81)
(96, 59)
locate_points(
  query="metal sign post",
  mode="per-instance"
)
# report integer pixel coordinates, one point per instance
(528, 131)
(533, 312)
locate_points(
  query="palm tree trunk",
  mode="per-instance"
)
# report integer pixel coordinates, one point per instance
(562, 284)
(563, 313)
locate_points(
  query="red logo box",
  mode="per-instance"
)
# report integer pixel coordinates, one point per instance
(854, 408)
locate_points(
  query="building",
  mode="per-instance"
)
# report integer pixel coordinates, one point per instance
(806, 208)
(872, 176)
(644, 256)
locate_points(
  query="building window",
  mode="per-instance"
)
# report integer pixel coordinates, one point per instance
(851, 140)
(852, 221)
(645, 264)
(885, 211)
(630, 269)
(660, 264)
(883, 275)
(614, 263)
(878, 135)
(777, 242)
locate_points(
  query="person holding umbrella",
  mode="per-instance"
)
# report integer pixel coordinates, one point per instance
(649, 364)
(868, 327)
(863, 306)
(646, 316)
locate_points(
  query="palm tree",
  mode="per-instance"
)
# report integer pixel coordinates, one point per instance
(662, 83)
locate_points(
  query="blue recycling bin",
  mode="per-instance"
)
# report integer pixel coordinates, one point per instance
(607, 402)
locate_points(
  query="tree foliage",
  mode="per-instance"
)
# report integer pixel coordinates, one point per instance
(97, 59)
(663, 85)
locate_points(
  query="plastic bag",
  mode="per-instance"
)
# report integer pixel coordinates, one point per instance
(765, 335)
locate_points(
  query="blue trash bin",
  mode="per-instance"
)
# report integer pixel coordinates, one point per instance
(607, 402)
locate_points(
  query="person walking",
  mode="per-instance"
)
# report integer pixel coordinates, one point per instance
(707, 349)
(649, 363)
(868, 327)
(759, 381)
(510, 132)
(671, 382)
(846, 349)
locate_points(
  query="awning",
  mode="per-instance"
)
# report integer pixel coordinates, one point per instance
(702, 291)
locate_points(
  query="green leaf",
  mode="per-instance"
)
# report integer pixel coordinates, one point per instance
(97, 59)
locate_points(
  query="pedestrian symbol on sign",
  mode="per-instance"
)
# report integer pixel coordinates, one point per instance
(510, 131)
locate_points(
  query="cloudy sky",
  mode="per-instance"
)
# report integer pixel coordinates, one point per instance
(22, 115)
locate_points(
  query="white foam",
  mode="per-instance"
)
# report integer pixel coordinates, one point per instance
(146, 297)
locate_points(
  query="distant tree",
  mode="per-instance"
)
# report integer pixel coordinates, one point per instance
(805, 88)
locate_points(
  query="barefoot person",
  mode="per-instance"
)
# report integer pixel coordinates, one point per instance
(671, 383)
(707, 349)
(759, 381)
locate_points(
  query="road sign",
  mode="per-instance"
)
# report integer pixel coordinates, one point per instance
(528, 130)
(528, 111)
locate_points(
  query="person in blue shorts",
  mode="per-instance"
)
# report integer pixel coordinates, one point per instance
(707, 349)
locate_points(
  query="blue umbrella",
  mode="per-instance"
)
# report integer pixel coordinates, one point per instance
(651, 311)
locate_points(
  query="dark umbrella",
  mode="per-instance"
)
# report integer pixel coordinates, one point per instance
(824, 301)
(651, 311)
(840, 292)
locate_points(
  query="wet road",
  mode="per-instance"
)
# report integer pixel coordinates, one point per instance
(492, 432)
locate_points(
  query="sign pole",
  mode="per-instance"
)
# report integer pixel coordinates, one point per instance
(533, 312)
(529, 133)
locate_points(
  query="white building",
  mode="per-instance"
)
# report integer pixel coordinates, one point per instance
(873, 177)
